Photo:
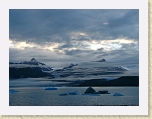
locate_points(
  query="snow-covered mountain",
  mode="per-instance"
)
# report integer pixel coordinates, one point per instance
(92, 70)
(32, 63)
(31, 68)
(73, 71)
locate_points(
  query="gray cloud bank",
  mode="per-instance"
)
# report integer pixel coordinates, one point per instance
(71, 28)
(58, 25)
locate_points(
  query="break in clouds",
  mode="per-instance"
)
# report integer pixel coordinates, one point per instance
(74, 35)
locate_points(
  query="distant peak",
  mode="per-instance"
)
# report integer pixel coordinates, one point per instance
(102, 60)
(33, 60)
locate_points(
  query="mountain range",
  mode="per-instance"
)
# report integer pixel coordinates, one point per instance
(83, 74)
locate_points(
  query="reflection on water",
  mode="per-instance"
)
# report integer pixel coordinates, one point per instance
(38, 96)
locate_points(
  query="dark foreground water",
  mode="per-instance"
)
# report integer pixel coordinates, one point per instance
(38, 96)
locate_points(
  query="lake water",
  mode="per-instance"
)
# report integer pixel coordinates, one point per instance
(38, 96)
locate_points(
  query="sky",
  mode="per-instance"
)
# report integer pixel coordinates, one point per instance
(74, 35)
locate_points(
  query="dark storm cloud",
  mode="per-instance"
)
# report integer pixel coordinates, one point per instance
(125, 26)
(57, 25)
(73, 31)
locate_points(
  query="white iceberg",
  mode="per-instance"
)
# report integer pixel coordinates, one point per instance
(63, 94)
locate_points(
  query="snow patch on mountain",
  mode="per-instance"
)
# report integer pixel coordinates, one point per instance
(33, 63)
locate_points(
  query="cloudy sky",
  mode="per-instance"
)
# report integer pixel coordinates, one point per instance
(67, 35)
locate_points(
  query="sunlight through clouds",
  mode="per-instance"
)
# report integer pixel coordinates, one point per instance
(108, 45)
(23, 45)
(83, 34)
(105, 23)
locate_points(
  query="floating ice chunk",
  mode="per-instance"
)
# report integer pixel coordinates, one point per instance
(90, 90)
(73, 93)
(118, 94)
(69, 93)
(13, 91)
(51, 88)
(103, 92)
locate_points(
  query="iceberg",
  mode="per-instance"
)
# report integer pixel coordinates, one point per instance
(69, 93)
(51, 88)
(90, 90)
(103, 92)
(117, 94)
(73, 93)
(13, 91)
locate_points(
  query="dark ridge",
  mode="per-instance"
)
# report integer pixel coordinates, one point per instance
(32, 72)
(122, 81)
(101, 60)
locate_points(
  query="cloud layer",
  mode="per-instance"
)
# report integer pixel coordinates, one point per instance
(75, 33)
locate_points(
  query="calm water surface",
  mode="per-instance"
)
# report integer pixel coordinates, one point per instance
(38, 96)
